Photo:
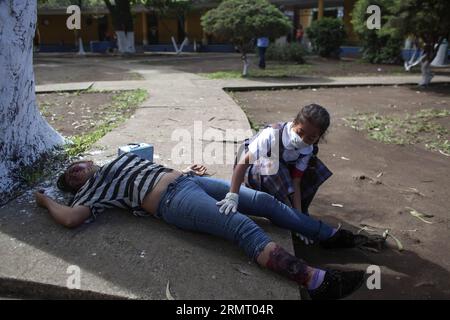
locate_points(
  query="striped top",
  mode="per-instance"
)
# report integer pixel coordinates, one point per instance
(123, 183)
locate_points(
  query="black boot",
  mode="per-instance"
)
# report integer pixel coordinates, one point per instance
(337, 285)
(344, 239)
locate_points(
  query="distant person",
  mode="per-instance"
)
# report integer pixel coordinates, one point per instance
(262, 43)
(299, 34)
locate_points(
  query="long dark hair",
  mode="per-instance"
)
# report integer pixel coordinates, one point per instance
(316, 115)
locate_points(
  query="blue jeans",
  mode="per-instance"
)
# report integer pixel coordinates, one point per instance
(190, 204)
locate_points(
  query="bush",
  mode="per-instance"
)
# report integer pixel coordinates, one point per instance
(326, 36)
(240, 21)
(379, 46)
(292, 52)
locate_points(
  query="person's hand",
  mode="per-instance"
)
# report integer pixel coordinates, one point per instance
(305, 240)
(229, 204)
(196, 169)
(40, 198)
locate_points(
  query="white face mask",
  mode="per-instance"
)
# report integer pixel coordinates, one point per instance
(296, 141)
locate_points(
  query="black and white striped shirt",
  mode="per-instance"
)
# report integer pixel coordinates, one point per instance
(123, 183)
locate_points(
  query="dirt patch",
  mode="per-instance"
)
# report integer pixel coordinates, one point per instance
(75, 113)
(74, 69)
(377, 184)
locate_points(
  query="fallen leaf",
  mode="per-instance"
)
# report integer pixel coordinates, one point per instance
(424, 283)
(367, 229)
(420, 215)
(168, 294)
(370, 249)
(397, 241)
(243, 271)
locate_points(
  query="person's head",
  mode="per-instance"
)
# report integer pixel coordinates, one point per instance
(311, 123)
(76, 175)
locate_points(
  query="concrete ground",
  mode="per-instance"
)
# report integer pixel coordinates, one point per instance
(122, 256)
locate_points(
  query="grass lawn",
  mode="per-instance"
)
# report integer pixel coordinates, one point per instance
(418, 127)
(314, 68)
(272, 71)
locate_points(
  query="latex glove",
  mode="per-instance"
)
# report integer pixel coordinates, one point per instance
(305, 239)
(229, 204)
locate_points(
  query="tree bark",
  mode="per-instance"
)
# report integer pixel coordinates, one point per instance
(123, 24)
(24, 133)
(427, 75)
(245, 66)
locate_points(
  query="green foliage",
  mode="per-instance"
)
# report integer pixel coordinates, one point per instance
(326, 36)
(428, 20)
(415, 128)
(379, 46)
(122, 102)
(242, 21)
(166, 7)
(273, 70)
(292, 52)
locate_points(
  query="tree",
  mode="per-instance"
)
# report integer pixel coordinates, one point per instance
(326, 36)
(379, 46)
(177, 8)
(24, 134)
(122, 20)
(242, 21)
(428, 21)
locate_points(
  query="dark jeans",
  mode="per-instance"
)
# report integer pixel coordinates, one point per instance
(190, 203)
(262, 57)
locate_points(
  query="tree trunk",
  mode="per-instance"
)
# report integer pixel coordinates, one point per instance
(125, 42)
(246, 65)
(427, 75)
(430, 51)
(123, 24)
(24, 133)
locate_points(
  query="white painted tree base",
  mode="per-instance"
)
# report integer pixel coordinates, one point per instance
(125, 42)
(246, 65)
(441, 56)
(24, 133)
(427, 75)
(81, 51)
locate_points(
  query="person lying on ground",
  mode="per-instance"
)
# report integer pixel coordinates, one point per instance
(189, 202)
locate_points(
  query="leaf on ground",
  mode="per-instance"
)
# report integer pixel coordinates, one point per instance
(243, 271)
(168, 294)
(420, 215)
(367, 229)
(397, 241)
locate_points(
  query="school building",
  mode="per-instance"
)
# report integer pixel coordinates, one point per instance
(155, 33)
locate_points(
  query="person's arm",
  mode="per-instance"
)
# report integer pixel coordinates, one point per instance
(230, 202)
(239, 174)
(63, 215)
